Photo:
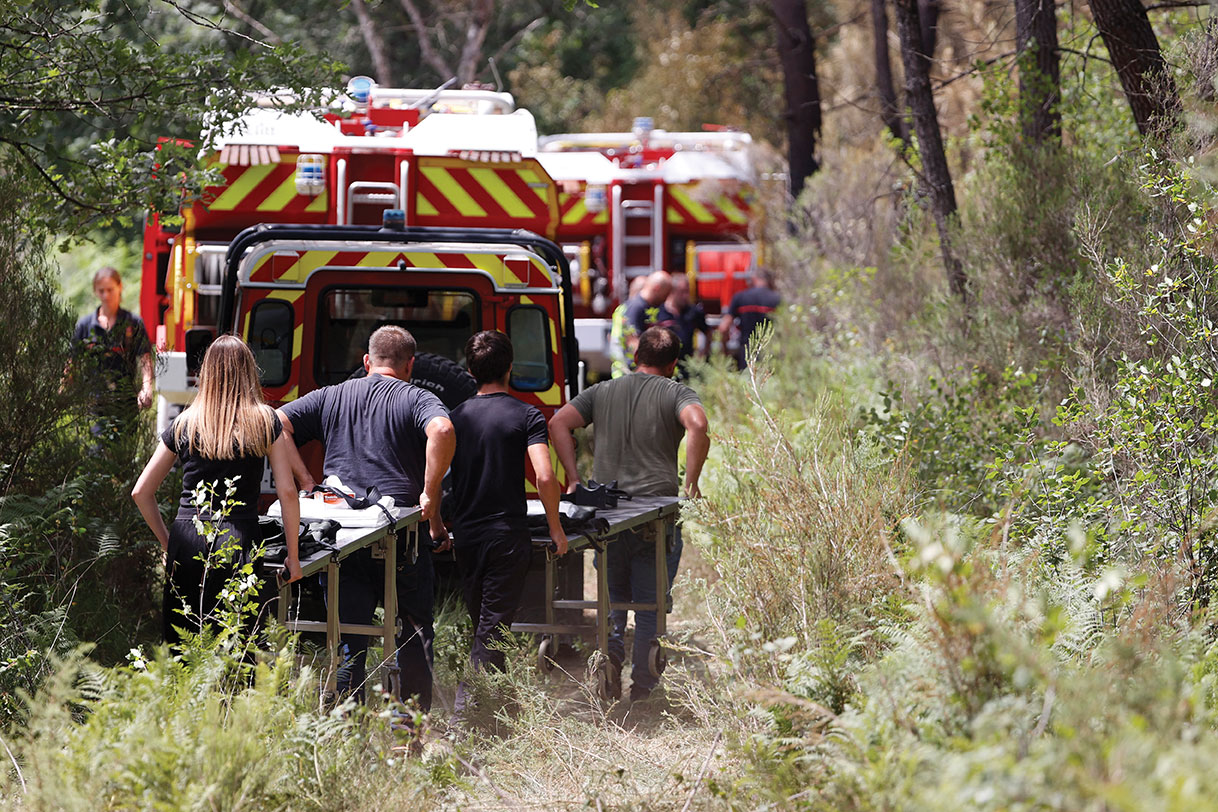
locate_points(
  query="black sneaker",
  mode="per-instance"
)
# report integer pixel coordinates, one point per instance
(639, 694)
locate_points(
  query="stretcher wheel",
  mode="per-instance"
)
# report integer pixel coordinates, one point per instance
(657, 658)
(545, 654)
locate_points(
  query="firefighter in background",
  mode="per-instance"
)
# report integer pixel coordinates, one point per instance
(748, 309)
(617, 330)
(689, 321)
(114, 354)
(646, 309)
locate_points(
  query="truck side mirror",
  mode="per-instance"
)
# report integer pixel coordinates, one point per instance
(198, 339)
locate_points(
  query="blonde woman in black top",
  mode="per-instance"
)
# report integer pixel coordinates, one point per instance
(223, 436)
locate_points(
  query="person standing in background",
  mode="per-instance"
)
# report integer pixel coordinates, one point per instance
(113, 353)
(748, 309)
(688, 321)
(617, 330)
(646, 310)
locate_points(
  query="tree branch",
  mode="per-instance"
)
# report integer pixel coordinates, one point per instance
(1177, 4)
(374, 41)
(205, 22)
(21, 150)
(241, 14)
(515, 38)
(475, 35)
(426, 46)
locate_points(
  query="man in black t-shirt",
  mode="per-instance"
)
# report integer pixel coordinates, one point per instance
(495, 435)
(688, 320)
(382, 431)
(748, 309)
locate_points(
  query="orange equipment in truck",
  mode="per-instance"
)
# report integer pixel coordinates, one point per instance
(632, 203)
(450, 158)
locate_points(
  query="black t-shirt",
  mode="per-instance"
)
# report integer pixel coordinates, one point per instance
(493, 435)
(111, 357)
(686, 324)
(373, 429)
(751, 307)
(247, 470)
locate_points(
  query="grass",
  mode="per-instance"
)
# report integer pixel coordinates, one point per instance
(550, 744)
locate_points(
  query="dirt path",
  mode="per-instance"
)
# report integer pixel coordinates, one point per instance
(549, 744)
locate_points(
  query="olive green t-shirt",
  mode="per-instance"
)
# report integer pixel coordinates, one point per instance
(636, 429)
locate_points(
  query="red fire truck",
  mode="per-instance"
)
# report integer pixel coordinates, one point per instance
(461, 160)
(632, 203)
(289, 251)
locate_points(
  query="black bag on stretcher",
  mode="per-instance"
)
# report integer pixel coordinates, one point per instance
(576, 520)
(596, 494)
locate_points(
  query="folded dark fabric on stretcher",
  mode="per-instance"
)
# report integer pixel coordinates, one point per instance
(319, 536)
(575, 519)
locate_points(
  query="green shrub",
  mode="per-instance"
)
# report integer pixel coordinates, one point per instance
(187, 732)
(799, 515)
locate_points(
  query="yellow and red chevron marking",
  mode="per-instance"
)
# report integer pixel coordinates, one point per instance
(574, 215)
(451, 192)
(294, 268)
(725, 210)
(264, 188)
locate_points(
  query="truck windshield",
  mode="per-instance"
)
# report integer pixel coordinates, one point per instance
(441, 321)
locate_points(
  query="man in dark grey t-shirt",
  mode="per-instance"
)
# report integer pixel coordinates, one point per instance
(639, 420)
(382, 431)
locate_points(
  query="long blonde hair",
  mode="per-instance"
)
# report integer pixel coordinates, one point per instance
(228, 418)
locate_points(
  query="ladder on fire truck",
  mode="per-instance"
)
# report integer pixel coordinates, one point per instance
(638, 232)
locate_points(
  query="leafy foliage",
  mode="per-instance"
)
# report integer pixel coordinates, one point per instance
(90, 91)
(185, 732)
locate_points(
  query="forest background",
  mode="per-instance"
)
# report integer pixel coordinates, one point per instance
(956, 548)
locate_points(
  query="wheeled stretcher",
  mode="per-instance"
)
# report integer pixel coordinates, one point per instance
(660, 512)
(384, 543)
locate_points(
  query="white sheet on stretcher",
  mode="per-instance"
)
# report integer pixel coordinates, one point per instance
(312, 510)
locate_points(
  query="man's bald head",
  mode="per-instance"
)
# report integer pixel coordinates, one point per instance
(658, 286)
(636, 285)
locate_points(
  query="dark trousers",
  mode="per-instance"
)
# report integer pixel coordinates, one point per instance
(632, 579)
(360, 582)
(194, 575)
(493, 570)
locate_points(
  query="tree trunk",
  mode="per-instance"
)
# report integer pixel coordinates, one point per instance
(928, 25)
(1040, 73)
(889, 112)
(935, 174)
(797, 52)
(374, 42)
(480, 15)
(1135, 53)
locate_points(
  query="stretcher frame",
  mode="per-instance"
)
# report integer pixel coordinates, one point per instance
(658, 511)
(384, 543)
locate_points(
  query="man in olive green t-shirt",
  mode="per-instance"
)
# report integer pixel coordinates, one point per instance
(639, 420)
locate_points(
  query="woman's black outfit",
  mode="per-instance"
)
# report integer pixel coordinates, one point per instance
(194, 578)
